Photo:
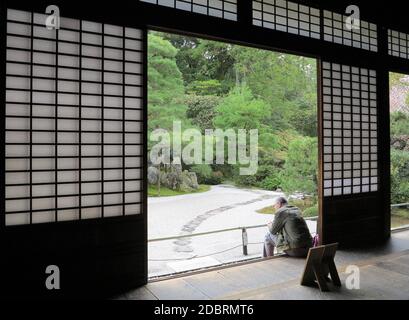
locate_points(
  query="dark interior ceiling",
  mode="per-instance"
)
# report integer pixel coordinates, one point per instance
(390, 13)
(393, 12)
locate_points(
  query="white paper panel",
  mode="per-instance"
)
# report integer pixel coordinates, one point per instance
(349, 134)
(226, 9)
(335, 30)
(398, 44)
(73, 120)
(288, 17)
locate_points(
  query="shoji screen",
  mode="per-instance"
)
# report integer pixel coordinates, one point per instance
(73, 120)
(335, 30)
(226, 9)
(398, 44)
(350, 130)
(287, 16)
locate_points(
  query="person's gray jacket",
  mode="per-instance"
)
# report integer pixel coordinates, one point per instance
(291, 229)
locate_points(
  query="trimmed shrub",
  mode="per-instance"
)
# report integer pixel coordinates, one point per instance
(311, 211)
(215, 178)
(270, 183)
(205, 174)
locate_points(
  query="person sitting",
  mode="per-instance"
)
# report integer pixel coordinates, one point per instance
(288, 232)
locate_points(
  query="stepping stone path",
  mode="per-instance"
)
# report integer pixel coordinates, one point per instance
(183, 244)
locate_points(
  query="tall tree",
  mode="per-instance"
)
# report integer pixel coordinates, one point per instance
(240, 110)
(286, 82)
(165, 85)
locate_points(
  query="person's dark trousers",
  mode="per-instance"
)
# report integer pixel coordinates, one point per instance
(269, 245)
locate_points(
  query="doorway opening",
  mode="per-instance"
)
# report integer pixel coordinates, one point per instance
(399, 127)
(229, 129)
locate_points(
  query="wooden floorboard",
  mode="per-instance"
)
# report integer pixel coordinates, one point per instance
(384, 272)
(177, 289)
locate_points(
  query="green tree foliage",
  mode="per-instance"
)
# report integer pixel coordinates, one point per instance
(395, 79)
(165, 85)
(399, 146)
(201, 110)
(399, 157)
(201, 60)
(208, 84)
(211, 84)
(399, 176)
(269, 177)
(305, 121)
(399, 124)
(164, 78)
(300, 168)
(240, 110)
(205, 87)
(286, 82)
